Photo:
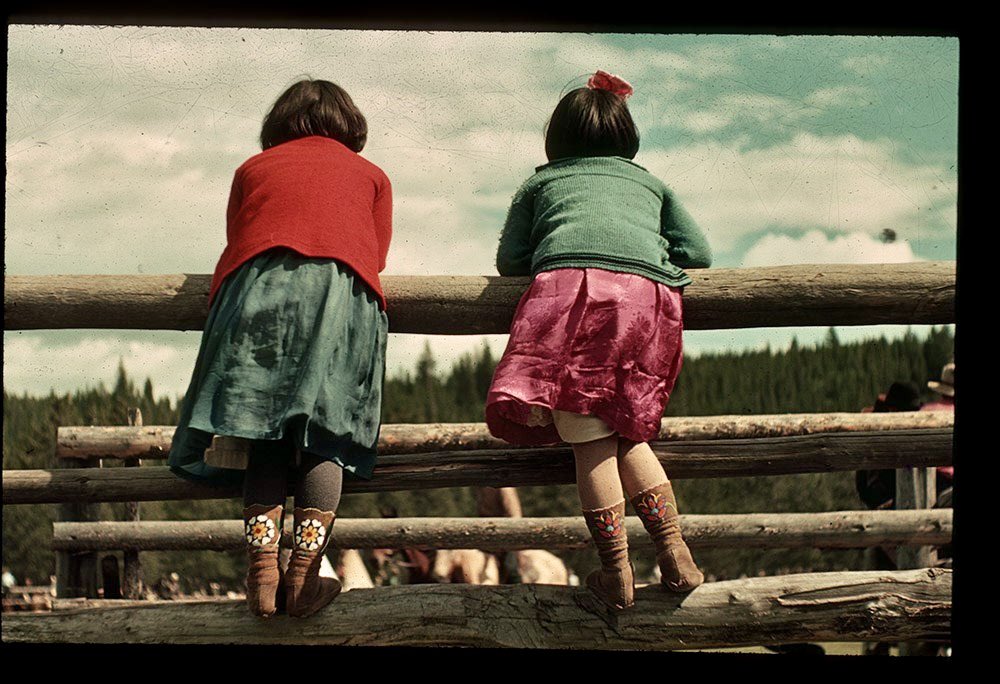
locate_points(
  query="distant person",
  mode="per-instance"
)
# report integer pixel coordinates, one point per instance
(945, 389)
(877, 488)
(293, 354)
(595, 344)
(945, 401)
(9, 581)
(168, 587)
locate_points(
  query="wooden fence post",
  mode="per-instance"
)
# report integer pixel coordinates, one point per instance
(76, 572)
(133, 568)
(111, 577)
(915, 489)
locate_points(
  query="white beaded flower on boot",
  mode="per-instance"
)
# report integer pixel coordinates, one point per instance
(260, 530)
(310, 534)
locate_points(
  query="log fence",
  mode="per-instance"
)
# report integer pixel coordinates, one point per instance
(780, 296)
(819, 453)
(828, 530)
(911, 604)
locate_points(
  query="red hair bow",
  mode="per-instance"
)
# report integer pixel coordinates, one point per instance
(602, 80)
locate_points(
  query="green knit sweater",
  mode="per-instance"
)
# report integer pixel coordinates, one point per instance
(600, 212)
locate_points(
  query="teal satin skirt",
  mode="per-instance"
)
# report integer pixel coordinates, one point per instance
(294, 345)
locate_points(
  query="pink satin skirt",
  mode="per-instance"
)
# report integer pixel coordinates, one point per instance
(588, 341)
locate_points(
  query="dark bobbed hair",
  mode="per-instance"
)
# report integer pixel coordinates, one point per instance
(314, 108)
(591, 123)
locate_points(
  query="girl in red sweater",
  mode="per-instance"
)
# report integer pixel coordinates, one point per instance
(289, 374)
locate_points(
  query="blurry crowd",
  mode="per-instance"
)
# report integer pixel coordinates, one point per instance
(877, 488)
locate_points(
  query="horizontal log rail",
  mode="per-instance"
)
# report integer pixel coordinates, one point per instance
(836, 530)
(496, 468)
(836, 606)
(512, 468)
(825, 294)
(153, 441)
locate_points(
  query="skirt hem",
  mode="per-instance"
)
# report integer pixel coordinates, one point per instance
(361, 464)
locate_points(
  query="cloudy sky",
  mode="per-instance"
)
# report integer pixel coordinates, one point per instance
(122, 141)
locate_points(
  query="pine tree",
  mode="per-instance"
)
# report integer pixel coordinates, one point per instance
(426, 384)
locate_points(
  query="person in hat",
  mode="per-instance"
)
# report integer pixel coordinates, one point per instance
(877, 488)
(945, 389)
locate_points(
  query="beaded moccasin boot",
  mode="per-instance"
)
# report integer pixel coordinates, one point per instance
(657, 508)
(613, 582)
(306, 592)
(262, 527)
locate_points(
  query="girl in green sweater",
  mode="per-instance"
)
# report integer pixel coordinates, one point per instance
(595, 344)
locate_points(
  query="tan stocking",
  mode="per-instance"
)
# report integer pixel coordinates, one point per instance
(604, 512)
(638, 466)
(597, 479)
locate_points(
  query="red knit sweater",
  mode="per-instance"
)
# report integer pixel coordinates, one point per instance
(315, 196)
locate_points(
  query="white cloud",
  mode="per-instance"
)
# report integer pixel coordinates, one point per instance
(840, 183)
(839, 96)
(433, 236)
(866, 64)
(34, 363)
(121, 143)
(37, 361)
(705, 121)
(402, 351)
(144, 154)
(141, 128)
(649, 68)
(744, 109)
(816, 248)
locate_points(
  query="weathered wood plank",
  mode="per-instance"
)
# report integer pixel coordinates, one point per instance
(915, 490)
(839, 529)
(836, 606)
(513, 468)
(824, 294)
(132, 572)
(76, 572)
(153, 441)
(521, 467)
